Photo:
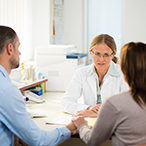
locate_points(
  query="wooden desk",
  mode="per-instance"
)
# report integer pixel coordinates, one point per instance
(140, 145)
(52, 109)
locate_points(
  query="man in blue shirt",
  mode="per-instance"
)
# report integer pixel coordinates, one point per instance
(14, 119)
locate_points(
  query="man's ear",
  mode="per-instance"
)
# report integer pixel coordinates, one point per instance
(9, 49)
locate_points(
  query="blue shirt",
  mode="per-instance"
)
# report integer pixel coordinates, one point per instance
(14, 119)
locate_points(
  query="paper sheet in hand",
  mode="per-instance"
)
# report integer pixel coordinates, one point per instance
(61, 120)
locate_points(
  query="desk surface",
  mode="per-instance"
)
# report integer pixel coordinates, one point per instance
(51, 108)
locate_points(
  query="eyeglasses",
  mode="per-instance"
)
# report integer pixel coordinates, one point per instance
(98, 55)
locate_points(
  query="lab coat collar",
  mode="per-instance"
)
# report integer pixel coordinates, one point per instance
(90, 70)
(111, 71)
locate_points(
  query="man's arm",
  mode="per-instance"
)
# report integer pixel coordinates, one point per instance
(18, 121)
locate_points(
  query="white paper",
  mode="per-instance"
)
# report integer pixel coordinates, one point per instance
(34, 114)
(61, 120)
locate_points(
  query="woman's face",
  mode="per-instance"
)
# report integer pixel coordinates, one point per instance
(101, 55)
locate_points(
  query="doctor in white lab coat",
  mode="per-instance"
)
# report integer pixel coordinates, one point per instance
(96, 82)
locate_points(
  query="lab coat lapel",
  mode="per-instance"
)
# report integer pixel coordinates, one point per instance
(91, 80)
(112, 73)
(107, 80)
(92, 84)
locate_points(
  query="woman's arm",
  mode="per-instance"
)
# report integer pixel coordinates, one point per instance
(103, 128)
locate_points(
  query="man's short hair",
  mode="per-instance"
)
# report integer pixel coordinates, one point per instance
(7, 36)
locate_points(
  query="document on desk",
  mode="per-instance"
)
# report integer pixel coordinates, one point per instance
(34, 114)
(61, 120)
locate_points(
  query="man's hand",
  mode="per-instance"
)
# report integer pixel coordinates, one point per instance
(72, 128)
(85, 113)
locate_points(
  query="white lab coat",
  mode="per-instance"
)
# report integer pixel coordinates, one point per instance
(84, 82)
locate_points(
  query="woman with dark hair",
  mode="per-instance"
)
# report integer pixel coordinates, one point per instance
(97, 81)
(122, 116)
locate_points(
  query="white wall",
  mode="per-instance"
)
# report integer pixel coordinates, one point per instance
(36, 22)
(74, 30)
(105, 16)
(41, 28)
(133, 21)
(26, 37)
(18, 15)
(75, 24)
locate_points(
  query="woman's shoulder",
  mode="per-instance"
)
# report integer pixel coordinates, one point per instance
(120, 98)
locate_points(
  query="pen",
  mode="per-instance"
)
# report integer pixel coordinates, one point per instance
(25, 98)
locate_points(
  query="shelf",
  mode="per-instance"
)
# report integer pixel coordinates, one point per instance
(32, 84)
(76, 55)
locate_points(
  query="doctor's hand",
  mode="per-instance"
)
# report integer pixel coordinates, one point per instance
(85, 113)
(72, 128)
(79, 121)
(94, 108)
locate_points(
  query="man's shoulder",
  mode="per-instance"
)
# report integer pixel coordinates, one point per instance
(5, 83)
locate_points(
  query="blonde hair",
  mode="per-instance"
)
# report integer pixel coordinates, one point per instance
(108, 40)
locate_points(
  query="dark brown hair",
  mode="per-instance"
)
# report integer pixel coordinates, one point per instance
(133, 66)
(108, 40)
(7, 35)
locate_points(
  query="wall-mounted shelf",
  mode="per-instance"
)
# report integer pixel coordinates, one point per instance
(32, 84)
